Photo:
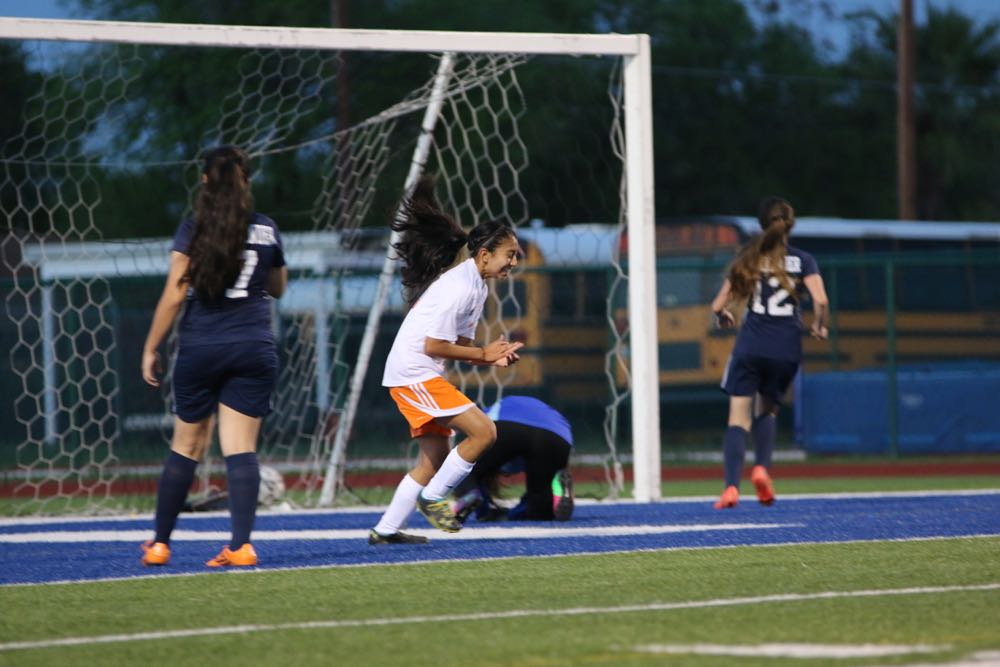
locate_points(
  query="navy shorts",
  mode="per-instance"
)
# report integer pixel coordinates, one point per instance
(747, 375)
(240, 375)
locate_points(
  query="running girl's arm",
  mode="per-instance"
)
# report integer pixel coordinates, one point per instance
(497, 353)
(723, 318)
(277, 281)
(510, 358)
(174, 293)
(821, 305)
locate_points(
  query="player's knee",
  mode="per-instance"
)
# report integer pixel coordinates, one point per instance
(483, 431)
(191, 448)
(490, 433)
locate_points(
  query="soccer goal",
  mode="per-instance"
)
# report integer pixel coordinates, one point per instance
(549, 131)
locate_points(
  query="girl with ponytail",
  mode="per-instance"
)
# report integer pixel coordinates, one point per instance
(768, 277)
(445, 307)
(226, 265)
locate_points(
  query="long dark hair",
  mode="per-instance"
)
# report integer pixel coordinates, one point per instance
(222, 215)
(764, 251)
(430, 238)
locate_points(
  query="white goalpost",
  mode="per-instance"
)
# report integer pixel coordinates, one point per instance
(70, 273)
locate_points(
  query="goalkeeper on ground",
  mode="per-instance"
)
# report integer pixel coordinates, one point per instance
(534, 438)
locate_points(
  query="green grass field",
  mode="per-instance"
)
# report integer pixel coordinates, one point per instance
(385, 615)
(610, 609)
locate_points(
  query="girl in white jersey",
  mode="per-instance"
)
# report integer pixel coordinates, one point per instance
(441, 325)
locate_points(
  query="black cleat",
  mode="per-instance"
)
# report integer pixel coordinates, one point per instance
(466, 505)
(562, 496)
(395, 538)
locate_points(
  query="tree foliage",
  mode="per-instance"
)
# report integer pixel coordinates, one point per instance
(747, 102)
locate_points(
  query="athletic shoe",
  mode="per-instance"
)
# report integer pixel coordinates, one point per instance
(489, 512)
(466, 505)
(395, 538)
(155, 553)
(243, 556)
(439, 514)
(518, 512)
(762, 482)
(562, 495)
(730, 498)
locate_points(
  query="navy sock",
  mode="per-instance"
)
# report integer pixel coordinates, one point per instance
(764, 432)
(243, 481)
(734, 447)
(175, 482)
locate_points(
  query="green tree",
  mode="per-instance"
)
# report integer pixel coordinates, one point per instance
(746, 103)
(731, 122)
(958, 110)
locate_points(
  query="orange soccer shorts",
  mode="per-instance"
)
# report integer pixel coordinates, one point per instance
(425, 401)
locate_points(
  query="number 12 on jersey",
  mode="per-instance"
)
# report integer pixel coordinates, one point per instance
(778, 303)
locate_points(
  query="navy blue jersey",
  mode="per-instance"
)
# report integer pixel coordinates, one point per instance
(531, 412)
(773, 324)
(244, 313)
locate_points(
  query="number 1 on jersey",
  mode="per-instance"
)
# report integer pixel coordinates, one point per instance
(239, 288)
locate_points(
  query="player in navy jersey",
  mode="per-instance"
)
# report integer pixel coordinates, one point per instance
(532, 437)
(226, 265)
(770, 278)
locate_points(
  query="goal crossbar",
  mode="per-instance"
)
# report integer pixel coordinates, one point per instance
(191, 34)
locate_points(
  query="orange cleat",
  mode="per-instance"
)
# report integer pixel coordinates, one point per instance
(243, 556)
(730, 498)
(762, 482)
(155, 553)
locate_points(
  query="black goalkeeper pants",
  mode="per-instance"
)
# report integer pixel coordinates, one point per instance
(544, 453)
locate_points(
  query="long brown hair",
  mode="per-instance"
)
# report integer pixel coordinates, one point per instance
(430, 239)
(766, 251)
(222, 215)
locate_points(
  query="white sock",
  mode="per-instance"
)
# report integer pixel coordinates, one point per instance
(452, 472)
(404, 501)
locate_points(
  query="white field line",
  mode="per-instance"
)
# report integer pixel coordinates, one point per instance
(362, 533)
(989, 658)
(486, 616)
(379, 509)
(789, 650)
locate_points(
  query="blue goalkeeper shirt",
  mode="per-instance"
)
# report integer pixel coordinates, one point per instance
(531, 412)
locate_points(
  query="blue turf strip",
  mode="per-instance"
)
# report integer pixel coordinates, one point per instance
(806, 520)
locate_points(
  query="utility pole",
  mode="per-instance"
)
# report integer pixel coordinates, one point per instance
(906, 150)
(339, 15)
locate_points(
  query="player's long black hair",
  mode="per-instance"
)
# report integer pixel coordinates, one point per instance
(430, 239)
(776, 218)
(222, 214)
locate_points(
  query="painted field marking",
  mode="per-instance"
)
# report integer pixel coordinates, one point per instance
(378, 509)
(361, 534)
(789, 650)
(977, 659)
(485, 616)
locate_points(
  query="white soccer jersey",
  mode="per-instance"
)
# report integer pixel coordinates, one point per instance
(449, 309)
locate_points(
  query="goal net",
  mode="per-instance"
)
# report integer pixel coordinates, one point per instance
(101, 161)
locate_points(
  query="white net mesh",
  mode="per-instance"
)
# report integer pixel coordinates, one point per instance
(104, 162)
